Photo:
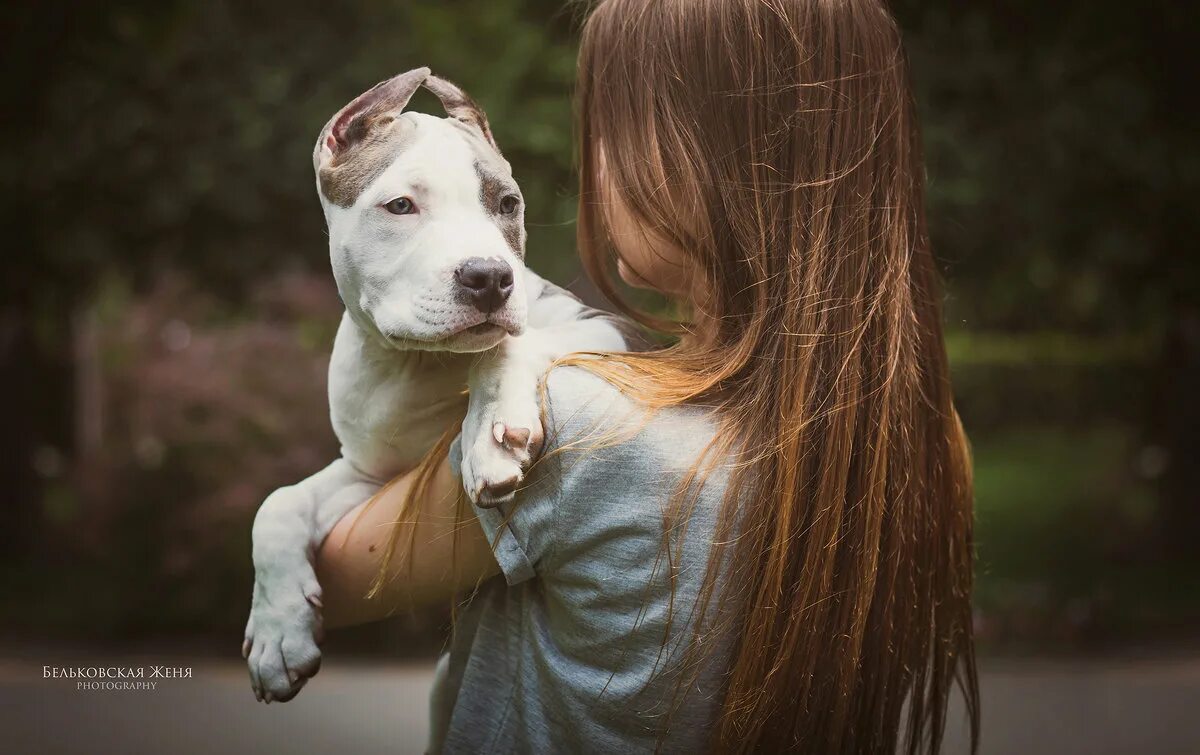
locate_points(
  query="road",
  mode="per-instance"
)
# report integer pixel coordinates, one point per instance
(1092, 707)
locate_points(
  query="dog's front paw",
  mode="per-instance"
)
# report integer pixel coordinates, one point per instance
(282, 636)
(500, 439)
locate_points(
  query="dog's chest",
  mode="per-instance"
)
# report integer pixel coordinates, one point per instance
(389, 407)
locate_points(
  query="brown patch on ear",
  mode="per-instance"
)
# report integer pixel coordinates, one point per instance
(460, 106)
(361, 138)
(345, 177)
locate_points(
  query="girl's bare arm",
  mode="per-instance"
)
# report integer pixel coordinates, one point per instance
(441, 551)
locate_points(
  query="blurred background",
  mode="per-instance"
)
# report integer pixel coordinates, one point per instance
(166, 309)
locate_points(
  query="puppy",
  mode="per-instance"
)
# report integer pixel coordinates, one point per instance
(427, 244)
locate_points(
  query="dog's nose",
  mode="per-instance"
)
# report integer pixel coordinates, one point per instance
(486, 283)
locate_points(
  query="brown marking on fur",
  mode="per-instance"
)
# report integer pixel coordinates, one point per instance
(364, 137)
(460, 106)
(352, 170)
(493, 187)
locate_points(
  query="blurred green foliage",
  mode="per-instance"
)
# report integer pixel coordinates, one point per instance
(180, 134)
(158, 141)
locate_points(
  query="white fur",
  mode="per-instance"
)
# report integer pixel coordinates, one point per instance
(396, 272)
(396, 377)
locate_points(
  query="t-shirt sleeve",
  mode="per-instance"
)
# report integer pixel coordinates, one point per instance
(550, 518)
(521, 531)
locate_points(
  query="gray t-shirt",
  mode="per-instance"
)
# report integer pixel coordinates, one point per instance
(566, 652)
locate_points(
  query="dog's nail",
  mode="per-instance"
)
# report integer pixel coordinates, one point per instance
(293, 676)
(315, 600)
(246, 648)
(498, 432)
(517, 437)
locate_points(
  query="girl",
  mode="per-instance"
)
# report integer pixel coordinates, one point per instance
(759, 538)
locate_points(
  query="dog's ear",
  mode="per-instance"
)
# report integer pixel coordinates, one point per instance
(460, 106)
(382, 102)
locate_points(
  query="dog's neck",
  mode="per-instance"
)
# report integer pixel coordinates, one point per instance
(389, 405)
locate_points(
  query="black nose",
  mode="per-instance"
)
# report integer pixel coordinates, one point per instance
(487, 284)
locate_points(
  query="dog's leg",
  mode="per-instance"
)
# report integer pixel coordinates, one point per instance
(502, 430)
(285, 615)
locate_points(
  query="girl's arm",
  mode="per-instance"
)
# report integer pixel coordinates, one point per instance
(441, 551)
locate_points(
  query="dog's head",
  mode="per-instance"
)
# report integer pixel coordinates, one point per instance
(426, 224)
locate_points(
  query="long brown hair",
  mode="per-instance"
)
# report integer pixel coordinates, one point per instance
(775, 142)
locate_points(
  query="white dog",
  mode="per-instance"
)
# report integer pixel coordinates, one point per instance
(427, 241)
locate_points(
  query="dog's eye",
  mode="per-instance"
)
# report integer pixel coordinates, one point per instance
(400, 206)
(509, 203)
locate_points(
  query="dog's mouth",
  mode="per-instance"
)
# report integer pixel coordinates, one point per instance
(495, 324)
(478, 336)
(486, 327)
(459, 337)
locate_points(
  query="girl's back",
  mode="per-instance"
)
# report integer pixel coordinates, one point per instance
(570, 656)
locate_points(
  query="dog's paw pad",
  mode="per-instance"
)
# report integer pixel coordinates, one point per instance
(501, 437)
(497, 492)
(514, 439)
(495, 464)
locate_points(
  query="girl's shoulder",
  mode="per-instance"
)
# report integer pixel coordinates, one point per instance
(606, 474)
(585, 415)
(573, 392)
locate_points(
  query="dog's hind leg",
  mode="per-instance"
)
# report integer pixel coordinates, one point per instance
(284, 629)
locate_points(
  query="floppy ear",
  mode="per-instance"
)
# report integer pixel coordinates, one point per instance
(379, 104)
(460, 106)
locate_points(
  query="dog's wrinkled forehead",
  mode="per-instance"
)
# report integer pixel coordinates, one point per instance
(364, 138)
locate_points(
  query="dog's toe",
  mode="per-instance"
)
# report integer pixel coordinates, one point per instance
(282, 639)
